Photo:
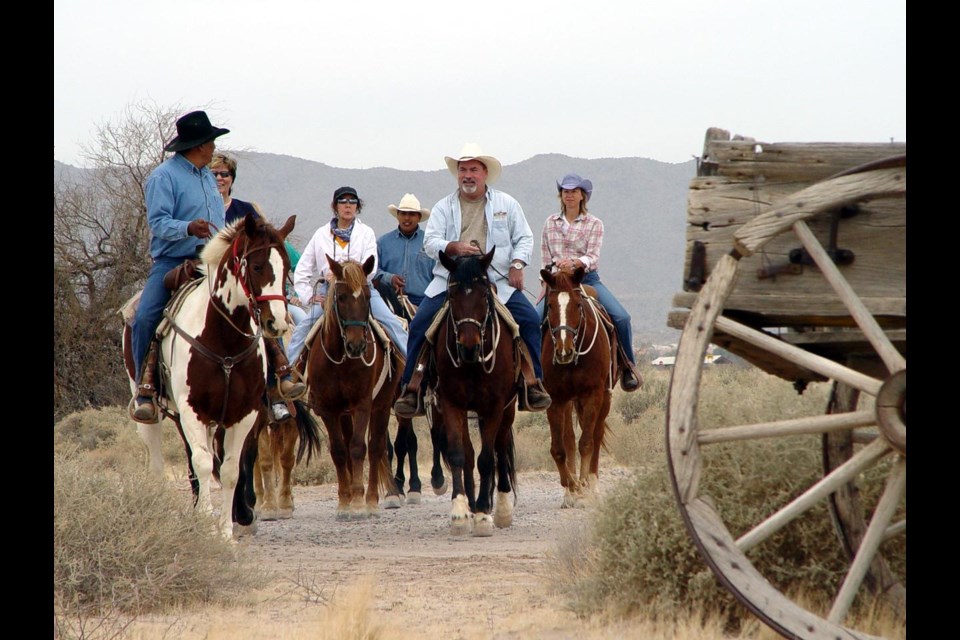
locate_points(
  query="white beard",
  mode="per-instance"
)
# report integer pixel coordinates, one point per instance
(469, 188)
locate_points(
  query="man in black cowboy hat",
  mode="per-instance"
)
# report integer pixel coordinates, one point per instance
(184, 207)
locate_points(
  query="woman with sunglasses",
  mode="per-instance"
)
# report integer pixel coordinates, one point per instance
(344, 238)
(224, 169)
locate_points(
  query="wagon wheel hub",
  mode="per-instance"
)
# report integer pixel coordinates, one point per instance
(892, 410)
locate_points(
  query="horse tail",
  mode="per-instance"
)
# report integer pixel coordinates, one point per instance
(309, 432)
(511, 462)
(385, 480)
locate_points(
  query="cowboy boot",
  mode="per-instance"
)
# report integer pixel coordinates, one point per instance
(289, 389)
(410, 403)
(630, 379)
(531, 395)
(145, 402)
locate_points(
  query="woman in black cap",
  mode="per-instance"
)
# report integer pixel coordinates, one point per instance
(345, 238)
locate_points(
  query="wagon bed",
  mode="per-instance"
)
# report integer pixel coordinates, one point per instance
(796, 261)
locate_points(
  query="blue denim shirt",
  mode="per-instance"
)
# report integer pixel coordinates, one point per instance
(403, 256)
(178, 193)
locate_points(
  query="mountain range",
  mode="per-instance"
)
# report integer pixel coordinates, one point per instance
(642, 203)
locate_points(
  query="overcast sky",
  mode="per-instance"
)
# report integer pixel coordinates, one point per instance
(366, 83)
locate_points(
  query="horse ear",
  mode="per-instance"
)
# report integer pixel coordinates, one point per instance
(449, 263)
(547, 277)
(250, 224)
(578, 274)
(368, 264)
(336, 267)
(487, 259)
(287, 227)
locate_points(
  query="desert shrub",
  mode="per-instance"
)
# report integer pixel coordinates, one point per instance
(109, 438)
(126, 544)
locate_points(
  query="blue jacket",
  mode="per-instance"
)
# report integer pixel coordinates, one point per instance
(178, 193)
(399, 255)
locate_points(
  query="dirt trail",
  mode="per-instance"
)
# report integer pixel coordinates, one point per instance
(426, 582)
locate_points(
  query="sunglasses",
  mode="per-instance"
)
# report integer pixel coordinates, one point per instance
(221, 174)
(347, 201)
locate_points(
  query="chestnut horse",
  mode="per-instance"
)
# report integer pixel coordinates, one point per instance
(213, 363)
(352, 380)
(576, 360)
(280, 447)
(476, 370)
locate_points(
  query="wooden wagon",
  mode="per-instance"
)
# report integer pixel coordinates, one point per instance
(796, 262)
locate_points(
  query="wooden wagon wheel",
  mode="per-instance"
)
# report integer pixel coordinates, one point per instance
(857, 443)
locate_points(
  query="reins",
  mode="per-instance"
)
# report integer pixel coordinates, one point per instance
(342, 325)
(580, 351)
(488, 360)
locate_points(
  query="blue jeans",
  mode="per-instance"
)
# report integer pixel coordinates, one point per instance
(378, 309)
(619, 315)
(154, 298)
(520, 308)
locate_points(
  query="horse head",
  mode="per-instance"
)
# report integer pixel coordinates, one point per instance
(251, 265)
(471, 302)
(349, 303)
(564, 312)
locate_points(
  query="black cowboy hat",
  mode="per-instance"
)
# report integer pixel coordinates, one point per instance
(193, 130)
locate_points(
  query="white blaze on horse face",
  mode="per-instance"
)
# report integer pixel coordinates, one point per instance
(276, 288)
(563, 305)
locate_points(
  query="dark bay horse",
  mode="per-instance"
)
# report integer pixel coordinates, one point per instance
(213, 362)
(576, 360)
(352, 380)
(476, 370)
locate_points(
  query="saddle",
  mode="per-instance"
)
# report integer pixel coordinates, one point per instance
(182, 273)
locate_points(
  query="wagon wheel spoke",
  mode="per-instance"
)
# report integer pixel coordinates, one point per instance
(871, 329)
(827, 423)
(824, 366)
(884, 513)
(843, 474)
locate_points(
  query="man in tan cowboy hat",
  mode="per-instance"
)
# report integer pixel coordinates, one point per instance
(401, 260)
(471, 217)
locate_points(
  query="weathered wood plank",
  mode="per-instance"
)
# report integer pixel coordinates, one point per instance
(805, 309)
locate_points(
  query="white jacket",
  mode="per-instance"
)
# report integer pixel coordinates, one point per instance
(313, 266)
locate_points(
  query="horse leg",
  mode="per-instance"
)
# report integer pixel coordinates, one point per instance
(598, 439)
(152, 437)
(380, 476)
(266, 472)
(285, 453)
(233, 442)
(339, 455)
(438, 437)
(398, 446)
(244, 496)
(461, 515)
(588, 413)
(413, 497)
(557, 416)
(360, 421)
(506, 470)
(486, 464)
(197, 444)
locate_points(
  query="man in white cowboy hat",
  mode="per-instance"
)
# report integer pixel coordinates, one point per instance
(475, 216)
(402, 262)
(184, 207)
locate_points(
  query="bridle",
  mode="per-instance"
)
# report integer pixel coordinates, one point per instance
(237, 264)
(578, 338)
(343, 324)
(488, 360)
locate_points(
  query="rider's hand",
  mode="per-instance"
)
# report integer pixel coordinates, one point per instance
(398, 282)
(199, 228)
(455, 248)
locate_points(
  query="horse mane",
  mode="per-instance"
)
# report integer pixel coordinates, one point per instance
(353, 277)
(468, 268)
(219, 244)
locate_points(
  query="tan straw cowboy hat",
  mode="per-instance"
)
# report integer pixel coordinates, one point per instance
(471, 151)
(409, 202)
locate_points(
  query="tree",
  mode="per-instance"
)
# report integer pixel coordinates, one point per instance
(101, 254)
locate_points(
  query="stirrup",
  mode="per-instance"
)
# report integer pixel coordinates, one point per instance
(144, 413)
(409, 405)
(279, 411)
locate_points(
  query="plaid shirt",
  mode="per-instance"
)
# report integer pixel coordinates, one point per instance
(581, 239)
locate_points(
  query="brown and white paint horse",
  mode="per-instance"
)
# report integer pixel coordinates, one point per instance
(213, 361)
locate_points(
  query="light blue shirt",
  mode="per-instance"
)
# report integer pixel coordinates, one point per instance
(178, 193)
(403, 256)
(507, 230)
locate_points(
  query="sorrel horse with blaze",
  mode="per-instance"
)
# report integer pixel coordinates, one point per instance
(214, 364)
(576, 360)
(352, 380)
(475, 366)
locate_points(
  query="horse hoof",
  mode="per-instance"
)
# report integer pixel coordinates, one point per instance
(343, 516)
(392, 502)
(460, 526)
(413, 497)
(482, 525)
(442, 489)
(242, 531)
(268, 516)
(285, 514)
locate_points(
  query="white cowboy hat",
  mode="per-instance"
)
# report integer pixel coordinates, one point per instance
(409, 202)
(471, 151)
